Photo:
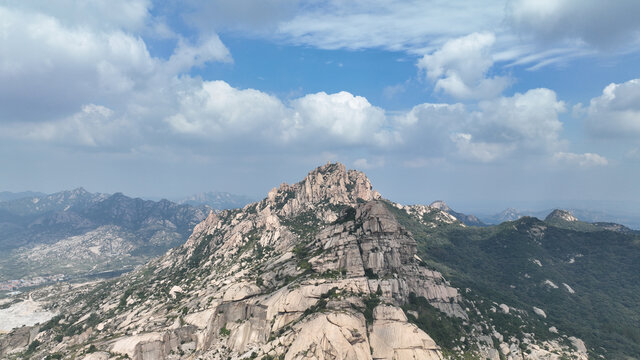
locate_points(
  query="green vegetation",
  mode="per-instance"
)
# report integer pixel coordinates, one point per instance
(305, 225)
(370, 274)
(123, 300)
(199, 253)
(319, 306)
(500, 263)
(224, 331)
(573, 225)
(445, 330)
(370, 303)
(302, 254)
(348, 214)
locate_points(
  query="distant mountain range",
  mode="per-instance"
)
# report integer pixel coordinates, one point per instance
(8, 195)
(469, 220)
(77, 232)
(216, 200)
(585, 215)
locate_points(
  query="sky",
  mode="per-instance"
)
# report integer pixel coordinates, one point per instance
(484, 104)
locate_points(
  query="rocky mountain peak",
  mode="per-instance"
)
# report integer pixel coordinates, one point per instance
(440, 205)
(562, 215)
(509, 214)
(331, 184)
(79, 191)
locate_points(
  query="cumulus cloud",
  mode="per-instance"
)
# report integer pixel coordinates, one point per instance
(218, 110)
(49, 70)
(98, 86)
(616, 113)
(529, 119)
(522, 123)
(460, 68)
(343, 116)
(186, 55)
(94, 126)
(583, 160)
(603, 24)
(427, 128)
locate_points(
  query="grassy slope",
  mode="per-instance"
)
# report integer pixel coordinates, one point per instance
(493, 261)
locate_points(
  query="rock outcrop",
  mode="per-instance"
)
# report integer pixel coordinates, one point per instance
(560, 215)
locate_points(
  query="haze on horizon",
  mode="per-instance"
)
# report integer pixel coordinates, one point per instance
(516, 103)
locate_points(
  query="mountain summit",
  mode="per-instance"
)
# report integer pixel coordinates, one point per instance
(560, 215)
(331, 183)
(470, 220)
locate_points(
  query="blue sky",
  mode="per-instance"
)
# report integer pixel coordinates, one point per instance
(528, 103)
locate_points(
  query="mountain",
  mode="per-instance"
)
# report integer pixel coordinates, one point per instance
(8, 195)
(560, 216)
(590, 216)
(469, 220)
(76, 232)
(216, 200)
(55, 202)
(509, 214)
(321, 269)
(565, 219)
(584, 277)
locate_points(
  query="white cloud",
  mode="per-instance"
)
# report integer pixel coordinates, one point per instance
(49, 69)
(409, 25)
(603, 24)
(616, 113)
(427, 128)
(366, 164)
(342, 116)
(84, 83)
(187, 56)
(583, 160)
(94, 126)
(529, 119)
(460, 67)
(217, 110)
(521, 124)
(480, 151)
(101, 15)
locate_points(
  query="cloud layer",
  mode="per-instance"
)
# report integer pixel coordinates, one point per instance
(118, 78)
(605, 25)
(616, 113)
